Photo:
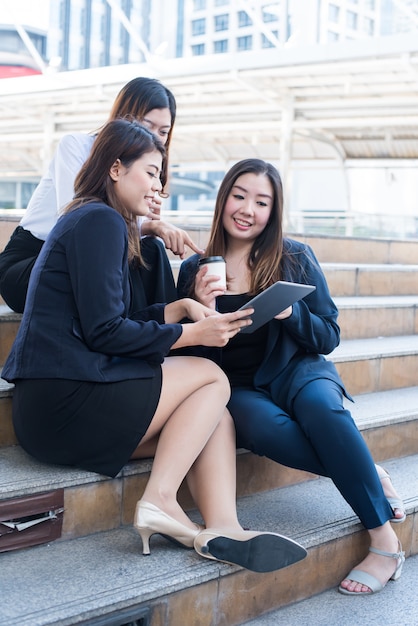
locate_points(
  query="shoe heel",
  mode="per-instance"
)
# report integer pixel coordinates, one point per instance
(397, 573)
(145, 534)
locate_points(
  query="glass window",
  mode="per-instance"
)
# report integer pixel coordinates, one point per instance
(269, 14)
(198, 5)
(7, 195)
(198, 49)
(245, 43)
(352, 19)
(27, 191)
(11, 42)
(222, 22)
(333, 13)
(220, 46)
(371, 5)
(332, 36)
(244, 19)
(215, 178)
(266, 43)
(221, 3)
(368, 26)
(199, 26)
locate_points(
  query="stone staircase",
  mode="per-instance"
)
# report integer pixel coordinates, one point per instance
(96, 574)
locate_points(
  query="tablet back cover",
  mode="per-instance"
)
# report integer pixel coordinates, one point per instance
(273, 301)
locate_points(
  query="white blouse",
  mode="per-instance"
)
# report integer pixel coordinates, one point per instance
(56, 188)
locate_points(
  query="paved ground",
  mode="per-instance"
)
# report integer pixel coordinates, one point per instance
(396, 605)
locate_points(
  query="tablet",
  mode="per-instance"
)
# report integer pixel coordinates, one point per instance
(273, 301)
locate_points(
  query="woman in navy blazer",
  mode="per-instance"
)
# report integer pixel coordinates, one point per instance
(287, 399)
(93, 386)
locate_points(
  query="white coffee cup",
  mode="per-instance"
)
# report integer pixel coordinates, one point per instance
(216, 267)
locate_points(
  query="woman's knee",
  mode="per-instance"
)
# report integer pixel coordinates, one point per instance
(320, 405)
(198, 372)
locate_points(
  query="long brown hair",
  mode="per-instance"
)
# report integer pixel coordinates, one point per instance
(265, 258)
(123, 139)
(137, 98)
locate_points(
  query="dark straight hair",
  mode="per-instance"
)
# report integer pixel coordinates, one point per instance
(265, 258)
(140, 96)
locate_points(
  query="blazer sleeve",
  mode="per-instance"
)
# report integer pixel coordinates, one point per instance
(313, 323)
(187, 273)
(97, 261)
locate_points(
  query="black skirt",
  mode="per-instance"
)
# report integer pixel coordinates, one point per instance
(89, 425)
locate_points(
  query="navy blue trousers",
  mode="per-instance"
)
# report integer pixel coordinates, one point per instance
(316, 434)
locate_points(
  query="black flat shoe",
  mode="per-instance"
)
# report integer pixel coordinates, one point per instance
(256, 551)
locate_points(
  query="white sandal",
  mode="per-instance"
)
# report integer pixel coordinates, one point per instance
(363, 578)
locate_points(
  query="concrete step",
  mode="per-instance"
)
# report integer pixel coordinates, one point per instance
(337, 249)
(331, 249)
(105, 576)
(9, 325)
(359, 317)
(387, 420)
(7, 225)
(396, 606)
(377, 364)
(365, 279)
(375, 316)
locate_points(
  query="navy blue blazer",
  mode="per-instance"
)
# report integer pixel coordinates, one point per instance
(310, 332)
(76, 323)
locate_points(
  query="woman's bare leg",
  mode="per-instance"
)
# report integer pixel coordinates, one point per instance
(192, 404)
(197, 436)
(381, 567)
(212, 478)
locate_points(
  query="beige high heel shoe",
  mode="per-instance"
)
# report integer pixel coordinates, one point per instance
(150, 520)
(363, 578)
(256, 551)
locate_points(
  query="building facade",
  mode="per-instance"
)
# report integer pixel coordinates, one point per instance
(15, 57)
(97, 33)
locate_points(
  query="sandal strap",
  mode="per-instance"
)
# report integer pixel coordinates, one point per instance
(396, 503)
(392, 555)
(356, 575)
(386, 474)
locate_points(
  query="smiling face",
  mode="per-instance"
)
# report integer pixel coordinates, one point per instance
(248, 207)
(158, 121)
(136, 185)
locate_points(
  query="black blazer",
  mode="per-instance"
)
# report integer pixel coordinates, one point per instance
(76, 323)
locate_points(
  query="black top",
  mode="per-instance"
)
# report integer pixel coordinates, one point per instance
(244, 353)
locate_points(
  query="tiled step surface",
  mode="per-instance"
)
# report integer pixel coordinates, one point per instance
(65, 583)
(365, 279)
(397, 605)
(362, 279)
(377, 364)
(334, 249)
(359, 317)
(376, 316)
(9, 325)
(331, 249)
(377, 359)
(388, 421)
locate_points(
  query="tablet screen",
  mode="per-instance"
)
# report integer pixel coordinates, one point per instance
(273, 301)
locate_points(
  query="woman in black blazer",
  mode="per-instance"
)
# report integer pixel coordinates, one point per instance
(93, 386)
(287, 399)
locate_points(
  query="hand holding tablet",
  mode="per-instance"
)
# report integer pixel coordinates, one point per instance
(273, 301)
